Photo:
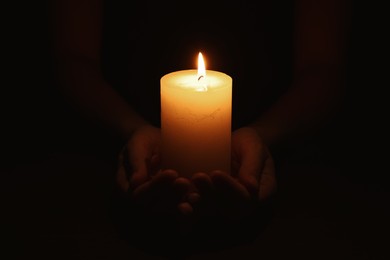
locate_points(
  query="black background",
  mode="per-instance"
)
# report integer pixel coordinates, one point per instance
(36, 122)
(35, 115)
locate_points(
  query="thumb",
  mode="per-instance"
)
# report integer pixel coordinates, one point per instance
(251, 165)
(139, 170)
(136, 158)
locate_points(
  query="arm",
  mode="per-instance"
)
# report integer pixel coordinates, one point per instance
(316, 92)
(317, 89)
(77, 46)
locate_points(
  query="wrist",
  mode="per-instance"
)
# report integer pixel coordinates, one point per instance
(268, 134)
(127, 128)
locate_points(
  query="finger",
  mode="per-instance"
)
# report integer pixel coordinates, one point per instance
(140, 171)
(189, 202)
(267, 180)
(122, 174)
(193, 198)
(202, 200)
(187, 190)
(228, 187)
(186, 218)
(203, 183)
(185, 209)
(155, 163)
(233, 199)
(181, 187)
(139, 157)
(121, 178)
(252, 163)
(152, 190)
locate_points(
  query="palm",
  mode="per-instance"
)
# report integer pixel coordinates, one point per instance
(139, 175)
(251, 180)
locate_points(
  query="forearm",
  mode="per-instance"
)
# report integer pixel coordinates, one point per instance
(319, 67)
(309, 104)
(82, 83)
(77, 37)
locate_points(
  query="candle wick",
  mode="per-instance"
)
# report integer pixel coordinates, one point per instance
(201, 76)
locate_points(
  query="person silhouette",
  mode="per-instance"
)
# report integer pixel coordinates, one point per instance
(287, 64)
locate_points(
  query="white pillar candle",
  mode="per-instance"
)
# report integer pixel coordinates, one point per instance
(196, 120)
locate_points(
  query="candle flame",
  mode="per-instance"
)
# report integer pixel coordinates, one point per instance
(201, 67)
(202, 84)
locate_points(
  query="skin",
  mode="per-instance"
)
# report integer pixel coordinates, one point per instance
(316, 92)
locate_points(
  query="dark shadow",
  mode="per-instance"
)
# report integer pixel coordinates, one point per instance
(166, 240)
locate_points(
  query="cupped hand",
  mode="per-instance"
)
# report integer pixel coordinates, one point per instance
(150, 189)
(252, 181)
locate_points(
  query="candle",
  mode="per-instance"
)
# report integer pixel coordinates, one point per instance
(196, 120)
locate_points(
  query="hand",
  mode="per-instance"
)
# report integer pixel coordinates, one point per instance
(153, 191)
(252, 180)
